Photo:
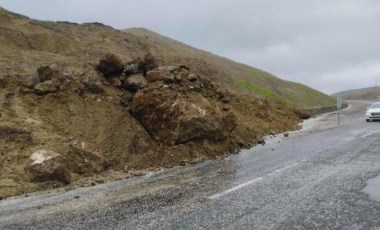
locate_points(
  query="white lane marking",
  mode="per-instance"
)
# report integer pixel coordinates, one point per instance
(370, 133)
(285, 168)
(235, 188)
(218, 195)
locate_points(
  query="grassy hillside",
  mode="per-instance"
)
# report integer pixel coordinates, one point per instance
(27, 43)
(234, 75)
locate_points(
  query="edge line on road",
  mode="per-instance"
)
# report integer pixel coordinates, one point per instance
(235, 188)
(218, 195)
(370, 133)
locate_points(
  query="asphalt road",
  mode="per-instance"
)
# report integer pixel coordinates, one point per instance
(321, 177)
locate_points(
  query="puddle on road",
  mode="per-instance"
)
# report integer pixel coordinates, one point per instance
(373, 188)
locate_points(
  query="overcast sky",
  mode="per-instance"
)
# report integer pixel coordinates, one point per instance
(330, 45)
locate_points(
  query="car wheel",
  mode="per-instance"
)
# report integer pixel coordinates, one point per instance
(367, 120)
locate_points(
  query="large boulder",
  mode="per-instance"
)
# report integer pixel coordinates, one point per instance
(47, 165)
(173, 119)
(85, 158)
(159, 75)
(167, 74)
(91, 79)
(149, 62)
(133, 67)
(110, 64)
(134, 82)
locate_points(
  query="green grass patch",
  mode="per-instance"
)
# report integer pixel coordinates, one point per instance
(253, 88)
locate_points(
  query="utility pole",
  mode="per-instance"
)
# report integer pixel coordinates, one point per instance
(339, 105)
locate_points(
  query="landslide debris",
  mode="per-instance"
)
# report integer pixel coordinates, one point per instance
(58, 128)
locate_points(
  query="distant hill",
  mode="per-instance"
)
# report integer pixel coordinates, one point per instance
(370, 93)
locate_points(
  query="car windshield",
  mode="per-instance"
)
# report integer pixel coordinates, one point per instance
(375, 106)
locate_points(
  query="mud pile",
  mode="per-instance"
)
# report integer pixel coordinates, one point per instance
(112, 118)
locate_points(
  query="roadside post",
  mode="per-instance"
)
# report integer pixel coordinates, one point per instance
(339, 106)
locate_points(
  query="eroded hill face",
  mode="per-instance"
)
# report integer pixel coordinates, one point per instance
(72, 116)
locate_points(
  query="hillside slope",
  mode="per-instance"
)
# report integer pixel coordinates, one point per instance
(231, 74)
(72, 115)
(370, 93)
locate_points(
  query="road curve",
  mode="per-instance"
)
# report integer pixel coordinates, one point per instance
(313, 179)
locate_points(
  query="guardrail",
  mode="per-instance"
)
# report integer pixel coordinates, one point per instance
(325, 109)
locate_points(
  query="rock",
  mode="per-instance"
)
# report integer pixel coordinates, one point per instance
(110, 64)
(92, 81)
(286, 134)
(46, 73)
(149, 63)
(115, 82)
(226, 107)
(3, 82)
(160, 75)
(183, 71)
(85, 158)
(225, 99)
(134, 82)
(138, 172)
(47, 165)
(192, 77)
(261, 142)
(133, 67)
(184, 67)
(126, 99)
(174, 119)
(28, 81)
(49, 86)
(302, 114)
(168, 69)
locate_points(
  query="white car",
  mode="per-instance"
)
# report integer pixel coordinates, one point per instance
(373, 112)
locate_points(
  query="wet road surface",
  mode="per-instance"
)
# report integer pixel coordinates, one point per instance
(321, 177)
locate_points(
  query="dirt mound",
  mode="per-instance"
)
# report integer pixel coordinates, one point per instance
(109, 119)
(141, 116)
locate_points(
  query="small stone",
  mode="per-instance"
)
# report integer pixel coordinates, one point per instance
(46, 87)
(226, 107)
(286, 134)
(261, 142)
(192, 77)
(226, 99)
(28, 81)
(138, 172)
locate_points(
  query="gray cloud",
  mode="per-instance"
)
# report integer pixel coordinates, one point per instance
(330, 45)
